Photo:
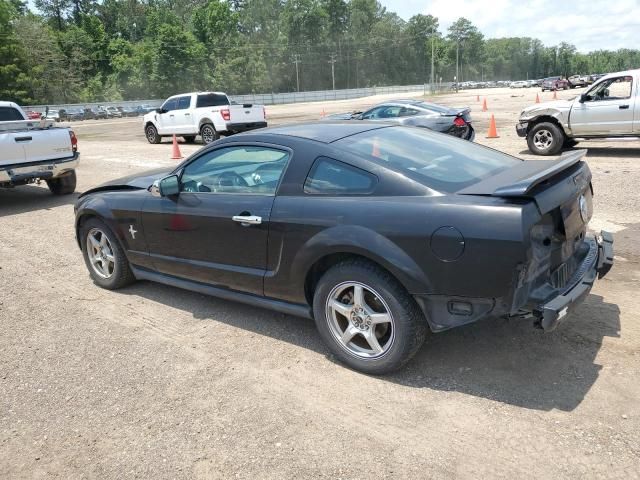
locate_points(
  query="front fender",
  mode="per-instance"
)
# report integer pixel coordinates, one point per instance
(364, 242)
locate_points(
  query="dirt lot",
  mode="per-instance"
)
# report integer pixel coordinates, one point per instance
(155, 382)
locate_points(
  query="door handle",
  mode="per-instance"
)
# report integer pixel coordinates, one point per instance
(23, 139)
(171, 115)
(623, 107)
(187, 114)
(246, 220)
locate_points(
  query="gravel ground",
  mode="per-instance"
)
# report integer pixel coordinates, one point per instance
(155, 382)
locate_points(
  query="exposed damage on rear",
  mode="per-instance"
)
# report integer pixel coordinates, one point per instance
(563, 259)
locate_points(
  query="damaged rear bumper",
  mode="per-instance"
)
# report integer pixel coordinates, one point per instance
(596, 264)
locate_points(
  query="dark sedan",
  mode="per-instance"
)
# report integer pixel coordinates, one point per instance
(379, 232)
(417, 113)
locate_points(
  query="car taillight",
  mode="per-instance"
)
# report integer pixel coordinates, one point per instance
(226, 114)
(459, 122)
(74, 141)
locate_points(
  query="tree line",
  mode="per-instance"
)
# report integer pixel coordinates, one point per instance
(88, 50)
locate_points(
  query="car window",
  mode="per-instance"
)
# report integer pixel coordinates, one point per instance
(170, 104)
(8, 114)
(618, 88)
(408, 112)
(373, 113)
(439, 161)
(183, 102)
(238, 169)
(211, 100)
(331, 177)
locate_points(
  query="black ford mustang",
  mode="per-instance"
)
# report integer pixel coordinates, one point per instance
(376, 231)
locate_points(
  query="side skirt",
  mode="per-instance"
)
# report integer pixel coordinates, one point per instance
(294, 309)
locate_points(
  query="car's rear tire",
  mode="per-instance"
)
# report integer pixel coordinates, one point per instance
(151, 132)
(367, 318)
(545, 138)
(64, 184)
(189, 138)
(103, 255)
(208, 133)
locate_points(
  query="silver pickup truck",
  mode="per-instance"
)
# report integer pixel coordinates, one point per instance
(609, 108)
(35, 150)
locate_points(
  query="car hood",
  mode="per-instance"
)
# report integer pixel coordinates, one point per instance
(140, 181)
(556, 105)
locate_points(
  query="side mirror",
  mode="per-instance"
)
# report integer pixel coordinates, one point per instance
(583, 98)
(160, 110)
(166, 186)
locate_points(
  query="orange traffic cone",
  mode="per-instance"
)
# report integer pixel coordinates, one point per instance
(555, 96)
(484, 105)
(323, 114)
(477, 98)
(537, 98)
(375, 150)
(176, 150)
(493, 132)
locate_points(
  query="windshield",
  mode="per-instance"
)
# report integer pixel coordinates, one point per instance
(439, 161)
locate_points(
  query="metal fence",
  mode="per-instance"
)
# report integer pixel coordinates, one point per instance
(271, 98)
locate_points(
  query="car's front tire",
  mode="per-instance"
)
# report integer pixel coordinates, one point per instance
(64, 184)
(545, 138)
(367, 318)
(151, 132)
(103, 255)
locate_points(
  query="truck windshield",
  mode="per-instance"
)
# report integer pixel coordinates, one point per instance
(439, 161)
(211, 100)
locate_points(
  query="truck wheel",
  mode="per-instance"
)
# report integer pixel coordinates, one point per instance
(151, 133)
(64, 184)
(367, 318)
(103, 255)
(189, 138)
(208, 134)
(545, 138)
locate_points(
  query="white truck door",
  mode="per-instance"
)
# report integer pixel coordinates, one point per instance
(165, 120)
(605, 109)
(182, 116)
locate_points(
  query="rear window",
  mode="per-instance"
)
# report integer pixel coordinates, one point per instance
(439, 161)
(212, 100)
(433, 107)
(9, 114)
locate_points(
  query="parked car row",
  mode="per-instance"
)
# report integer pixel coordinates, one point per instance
(73, 114)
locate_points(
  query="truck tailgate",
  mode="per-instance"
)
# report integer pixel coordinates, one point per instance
(246, 113)
(34, 145)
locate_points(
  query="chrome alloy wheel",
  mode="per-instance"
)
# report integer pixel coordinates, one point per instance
(151, 133)
(543, 139)
(100, 253)
(360, 320)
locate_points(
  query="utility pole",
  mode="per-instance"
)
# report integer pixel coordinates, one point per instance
(457, 63)
(297, 61)
(433, 38)
(333, 71)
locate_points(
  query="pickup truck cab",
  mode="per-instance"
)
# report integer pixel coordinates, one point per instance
(554, 83)
(208, 114)
(609, 108)
(35, 150)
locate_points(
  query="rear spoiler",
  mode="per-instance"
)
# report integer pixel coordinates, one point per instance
(520, 180)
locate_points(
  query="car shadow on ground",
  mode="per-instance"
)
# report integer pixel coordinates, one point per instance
(27, 198)
(507, 361)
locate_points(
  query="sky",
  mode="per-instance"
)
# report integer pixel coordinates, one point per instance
(587, 24)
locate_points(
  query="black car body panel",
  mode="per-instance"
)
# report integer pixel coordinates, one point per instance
(509, 244)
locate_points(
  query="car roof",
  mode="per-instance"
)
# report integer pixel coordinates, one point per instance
(325, 132)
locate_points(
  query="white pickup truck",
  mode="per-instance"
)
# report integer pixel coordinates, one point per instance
(35, 150)
(208, 114)
(609, 108)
